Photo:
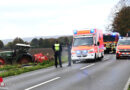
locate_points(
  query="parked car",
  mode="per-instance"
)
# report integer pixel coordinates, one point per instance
(123, 48)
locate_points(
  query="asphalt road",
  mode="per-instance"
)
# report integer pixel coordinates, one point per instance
(108, 74)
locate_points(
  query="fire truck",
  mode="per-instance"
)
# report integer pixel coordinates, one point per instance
(110, 42)
(87, 45)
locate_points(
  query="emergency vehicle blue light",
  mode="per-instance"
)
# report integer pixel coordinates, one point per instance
(113, 34)
(92, 31)
(120, 37)
(75, 31)
(78, 52)
(84, 51)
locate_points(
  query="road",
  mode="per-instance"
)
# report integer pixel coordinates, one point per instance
(108, 74)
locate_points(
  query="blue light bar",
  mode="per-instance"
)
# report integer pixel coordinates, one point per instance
(120, 37)
(113, 34)
(75, 31)
(92, 31)
(78, 52)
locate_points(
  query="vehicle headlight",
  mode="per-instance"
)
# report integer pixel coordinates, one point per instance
(84, 52)
(78, 52)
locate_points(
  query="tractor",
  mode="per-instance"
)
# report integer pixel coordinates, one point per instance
(19, 55)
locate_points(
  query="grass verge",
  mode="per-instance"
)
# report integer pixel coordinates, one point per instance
(129, 87)
(11, 70)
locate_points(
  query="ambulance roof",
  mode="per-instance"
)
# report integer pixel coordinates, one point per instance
(81, 32)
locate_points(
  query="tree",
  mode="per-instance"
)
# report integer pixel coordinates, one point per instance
(1, 44)
(41, 44)
(35, 43)
(46, 43)
(121, 21)
(9, 45)
(18, 40)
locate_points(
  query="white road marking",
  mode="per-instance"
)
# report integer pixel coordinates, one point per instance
(87, 66)
(106, 59)
(127, 84)
(43, 83)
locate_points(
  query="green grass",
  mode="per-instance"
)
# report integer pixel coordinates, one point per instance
(129, 87)
(11, 70)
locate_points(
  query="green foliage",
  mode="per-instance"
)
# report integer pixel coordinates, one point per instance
(47, 43)
(35, 43)
(8, 67)
(40, 43)
(121, 22)
(11, 70)
(17, 40)
(16, 70)
(1, 44)
(12, 44)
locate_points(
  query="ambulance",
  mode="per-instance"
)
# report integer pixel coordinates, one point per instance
(123, 48)
(87, 45)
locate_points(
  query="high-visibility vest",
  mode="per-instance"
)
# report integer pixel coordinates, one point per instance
(57, 47)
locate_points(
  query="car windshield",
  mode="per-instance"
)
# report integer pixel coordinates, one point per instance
(108, 38)
(83, 41)
(124, 42)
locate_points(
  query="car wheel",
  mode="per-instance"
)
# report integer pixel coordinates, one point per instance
(117, 57)
(24, 60)
(95, 58)
(74, 62)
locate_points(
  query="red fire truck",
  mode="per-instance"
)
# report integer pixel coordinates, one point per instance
(110, 42)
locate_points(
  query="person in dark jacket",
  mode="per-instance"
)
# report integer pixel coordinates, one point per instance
(69, 54)
(57, 48)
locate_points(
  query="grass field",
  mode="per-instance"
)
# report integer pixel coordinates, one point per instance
(129, 87)
(11, 70)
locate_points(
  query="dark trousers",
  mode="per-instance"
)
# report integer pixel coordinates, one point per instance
(58, 56)
(69, 55)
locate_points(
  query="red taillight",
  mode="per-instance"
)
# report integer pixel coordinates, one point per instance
(104, 45)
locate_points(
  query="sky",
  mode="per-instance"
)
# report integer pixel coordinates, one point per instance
(32, 18)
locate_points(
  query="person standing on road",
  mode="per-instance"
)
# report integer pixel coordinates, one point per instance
(57, 48)
(69, 54)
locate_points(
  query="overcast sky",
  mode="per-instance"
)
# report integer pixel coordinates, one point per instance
(31, 18)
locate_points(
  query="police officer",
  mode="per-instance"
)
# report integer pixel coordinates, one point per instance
(57, 48)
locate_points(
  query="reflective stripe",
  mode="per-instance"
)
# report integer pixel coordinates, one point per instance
(57, 47)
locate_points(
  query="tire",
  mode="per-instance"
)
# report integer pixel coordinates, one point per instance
(2, 61)
(108, 52)
(117, 58)
(102, 56)
(74, 62)
(95, 58)
(24, 60)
